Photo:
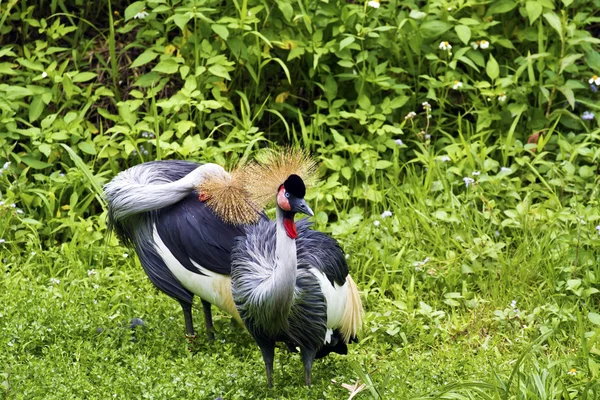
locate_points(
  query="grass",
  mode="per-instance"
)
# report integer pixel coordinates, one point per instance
(441, 328)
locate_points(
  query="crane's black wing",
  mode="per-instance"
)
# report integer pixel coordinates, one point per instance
(192, 231)
(319, 250)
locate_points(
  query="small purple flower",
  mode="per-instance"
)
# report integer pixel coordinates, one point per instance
(468, 181)
(588, 116)
(399, 142)
(593, 87)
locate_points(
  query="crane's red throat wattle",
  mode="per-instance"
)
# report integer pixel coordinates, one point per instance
(290, 227)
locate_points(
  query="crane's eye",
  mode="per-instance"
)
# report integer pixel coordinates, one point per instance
(287, 195)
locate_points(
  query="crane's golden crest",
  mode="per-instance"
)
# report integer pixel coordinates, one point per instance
(263, 177)
(229, 199)
(239, 197)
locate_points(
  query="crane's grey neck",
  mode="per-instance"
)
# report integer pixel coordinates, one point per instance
(283, 279)
(135, 191)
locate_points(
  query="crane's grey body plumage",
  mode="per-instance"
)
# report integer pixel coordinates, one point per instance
(300, 316)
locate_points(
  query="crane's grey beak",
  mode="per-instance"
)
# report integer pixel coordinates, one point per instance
(299, 205)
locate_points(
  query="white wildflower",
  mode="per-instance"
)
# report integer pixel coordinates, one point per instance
(95, 286)
(91, 272)
(19, 211)
(445, 158)
(598, 229)
(386, 214)
(484, 44)
(125, 255)
(44, 74)
(54, 281)
(2, 241)
(13, 205)
(468, 181)
(33, 253)
(347, 256)
(513, 304)
(426, 105)
(6, 165)
(475, 45)
(572, 372)
(376, 222)
(373, 3)
(595, 79)
(410, 115)
(476, 173)
(427, 136)
(502, 98)
(2, 203)
(445, 46)
(421, 263)
(141, 15)
(399, 142)
(457, 85)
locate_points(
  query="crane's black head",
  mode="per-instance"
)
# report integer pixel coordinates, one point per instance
(290, 197)
(295, 185)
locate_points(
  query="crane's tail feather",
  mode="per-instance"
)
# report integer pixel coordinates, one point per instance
(352, 319)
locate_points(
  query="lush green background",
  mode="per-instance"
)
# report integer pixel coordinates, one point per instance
(482, 283)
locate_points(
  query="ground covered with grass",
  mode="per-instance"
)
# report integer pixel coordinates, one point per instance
(488, 314)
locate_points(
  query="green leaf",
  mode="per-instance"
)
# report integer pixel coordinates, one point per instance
(36, 108)
(592, 59)
(567, 61)
(84, 77)
(554, 22)
(492, 69)
(45, 149)
(286, 9)
(34, 163)
(570, 96)
(181, 20)
(383, 164)
(501, 7)
(220, 30)
(133, 9)
(433, 29)
(167, 66)
(346, 42)
(87, 147)
(220, 71)
(144, 58)
(364, 102)
(463, 32)
(534, 10)
(594, 318)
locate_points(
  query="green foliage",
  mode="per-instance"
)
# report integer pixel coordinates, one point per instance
(470, 122)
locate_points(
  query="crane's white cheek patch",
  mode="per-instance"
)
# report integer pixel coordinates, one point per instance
(336, 297)
(212, 287)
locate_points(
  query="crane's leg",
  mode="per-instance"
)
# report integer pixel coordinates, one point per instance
(189, 323)
(208, 320)
(308, 357)
(268, 353)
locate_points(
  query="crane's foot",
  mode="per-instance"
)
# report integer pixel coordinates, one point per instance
(191, 338)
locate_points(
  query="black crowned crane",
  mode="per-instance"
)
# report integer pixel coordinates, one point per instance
(180, 222)
(291, 283)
